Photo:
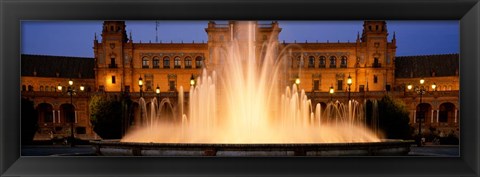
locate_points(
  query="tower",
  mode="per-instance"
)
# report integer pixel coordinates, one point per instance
(109, 60)
(376, 56)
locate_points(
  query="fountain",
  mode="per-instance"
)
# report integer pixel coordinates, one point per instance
(239, 108)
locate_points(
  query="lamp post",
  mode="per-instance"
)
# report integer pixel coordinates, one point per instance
(71, 91)
(349, 83)
(331, 91)
(140, 84)
(297, 81)
(421, 116)
(192, 81)
(157, 91)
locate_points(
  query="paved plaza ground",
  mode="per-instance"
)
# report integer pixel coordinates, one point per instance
(87, 150)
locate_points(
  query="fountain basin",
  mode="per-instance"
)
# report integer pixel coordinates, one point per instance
(384, 148)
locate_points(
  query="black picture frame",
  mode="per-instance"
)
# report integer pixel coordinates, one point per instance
(13, 12)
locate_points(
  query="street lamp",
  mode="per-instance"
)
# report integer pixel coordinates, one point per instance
(71, 91)
(140, 83)
(297, 81)
(158, 93)
(421, 115)
(349, 83)
(192, 81)
(331, 91)
(59, 87)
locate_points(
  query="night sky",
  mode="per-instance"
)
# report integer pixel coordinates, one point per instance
(75, 38)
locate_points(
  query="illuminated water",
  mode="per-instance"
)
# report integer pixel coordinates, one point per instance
(240, 101)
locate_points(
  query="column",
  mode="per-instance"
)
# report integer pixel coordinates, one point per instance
(54, 116)
(456, 115)
(76, 117)
(59, 116)
(431, 117)
(414, 116)
(437, 114)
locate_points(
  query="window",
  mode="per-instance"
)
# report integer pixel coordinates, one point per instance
(343, 62)
(375, 79)
(322, 62)
(333, 63)
(148, 79)
(145, 62)
(361, 88)
(299, 62)
(376, 64)
(166, 62)
(188, 62)
(171, 85)
(199, 62)
(311, 62)
(340, 85)
(113, 80)
(156, 62)
(112, 62)
(316, 85)
(177, 63)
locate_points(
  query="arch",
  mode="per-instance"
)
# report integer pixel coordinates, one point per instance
(177, 62)
(41, 88)
(145, 63)
(311, 62)
(188, 62)
(156, 62)
(449, 87)
(30, 88)
(166, 62)
(323, 62)
(343, 62)
(446, 112)
(424, 112)
(45, 112)
(333, 62)
(199, 62)
(67, 113)
(52, 88)
(24, 88)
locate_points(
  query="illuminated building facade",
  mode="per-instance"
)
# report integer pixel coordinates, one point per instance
(119, 63)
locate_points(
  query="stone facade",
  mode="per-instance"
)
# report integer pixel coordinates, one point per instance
(370, 61)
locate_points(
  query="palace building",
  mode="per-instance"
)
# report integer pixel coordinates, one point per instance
(118, 63)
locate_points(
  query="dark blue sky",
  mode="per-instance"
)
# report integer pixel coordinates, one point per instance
(75, 38)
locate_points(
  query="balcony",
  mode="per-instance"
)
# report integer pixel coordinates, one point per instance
(156, 66)
(145, 67)
(112, 65)
(343, 66)
(376, 65)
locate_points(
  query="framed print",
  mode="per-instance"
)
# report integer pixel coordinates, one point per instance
(259, 93)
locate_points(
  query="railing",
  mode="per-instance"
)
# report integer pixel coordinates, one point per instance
(112, 65)
(376, 65)
(309, 94)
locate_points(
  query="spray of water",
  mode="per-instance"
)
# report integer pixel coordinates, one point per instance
(240, 101)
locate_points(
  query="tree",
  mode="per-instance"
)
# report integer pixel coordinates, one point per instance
(106, 117)
(393, 118)
(29, 121)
